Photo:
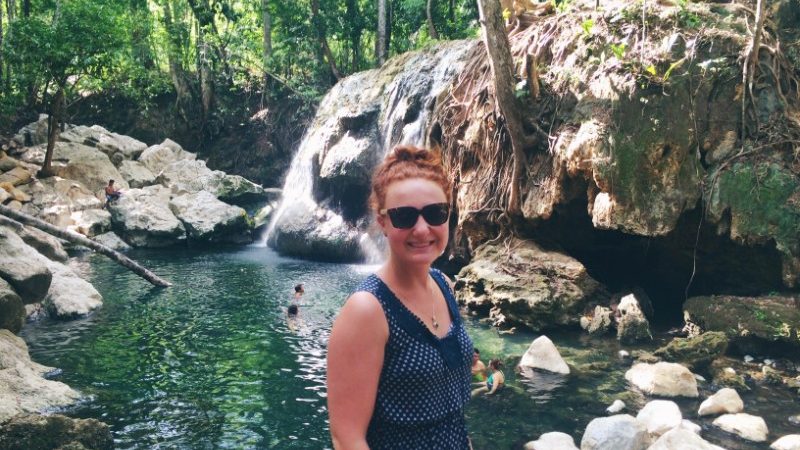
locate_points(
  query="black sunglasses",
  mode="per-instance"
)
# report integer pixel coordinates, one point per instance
(405, 217)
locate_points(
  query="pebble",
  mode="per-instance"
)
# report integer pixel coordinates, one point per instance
(794, 420)
(616, 407)
(748, 359)
(729, 371)
(624, 354)
(768, 362)
(699, 378)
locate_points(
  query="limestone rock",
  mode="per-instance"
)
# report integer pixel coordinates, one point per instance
(207, 219)
(136, 174)
(23, 267)
(633, 325)
(663, 379)
(193, 176)
(46, 244)
(552, 441)
(34, 133)
(156, 157)
(16, 176)
(55, 199)
(38, 432)
(7, 163)
(115, 146)
(660, 416)
(529, 285)
(70, 296)
(12, 311)
(788, 442)
(602, 319)
(746, 426)
(620, 432)
(143, 218)
(726, 400)
(22, 388)
(90, 222)
(681, 439)
(697, 352)
(543, 354)
(112, 241)
(690, 426)
(615, 407)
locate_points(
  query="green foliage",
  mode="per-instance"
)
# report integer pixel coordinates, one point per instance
(686, 18)
(587, 26)
(619, 50)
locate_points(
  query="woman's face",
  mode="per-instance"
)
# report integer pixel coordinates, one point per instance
(422, 243)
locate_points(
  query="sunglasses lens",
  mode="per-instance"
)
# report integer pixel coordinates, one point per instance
(403, 217)
(436, 214)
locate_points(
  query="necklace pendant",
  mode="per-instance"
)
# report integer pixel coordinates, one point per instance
(434, 323)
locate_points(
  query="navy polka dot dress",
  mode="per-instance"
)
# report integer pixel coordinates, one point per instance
(425, 381)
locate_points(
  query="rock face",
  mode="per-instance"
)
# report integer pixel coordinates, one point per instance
(680, 439)
(663, 379)
(136, 174)
(620, 432)
(696, 352)
(55, 200)
(12, 310)
(633, 325)
(80, 163)
(23, 267)
(144, 218)
(207, 219)
(116, 146)
(156, 157)
(70, 296)
(193, 176)
(541, 289)
(22, 388)
(748, 319)
(44, 243)
(543, 354)
(746, 426)
(552, 441)
(36, 432)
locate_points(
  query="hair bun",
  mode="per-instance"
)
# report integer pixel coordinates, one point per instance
(409, 153)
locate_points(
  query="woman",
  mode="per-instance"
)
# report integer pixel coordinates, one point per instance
(494, 381)
(398, 357)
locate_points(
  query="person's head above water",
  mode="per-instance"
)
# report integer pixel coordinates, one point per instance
(298, 288)
(403, 163)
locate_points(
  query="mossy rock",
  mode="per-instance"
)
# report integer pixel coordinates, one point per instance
(726, 378)
(748, 321)
(696, 352)
(35, 432)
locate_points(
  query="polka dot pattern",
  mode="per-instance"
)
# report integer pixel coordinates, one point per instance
(425, 381)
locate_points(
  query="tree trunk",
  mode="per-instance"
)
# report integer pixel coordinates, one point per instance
(3, 86)
(502, 66)
(431, 29)
(319, 29)
(267, 50)
(451, 10)
(354, 21)
(206, 74)
(11, 9)
(26, 8)
(380, 42)
(53, 130)
(183, 91)
(751, 63)
(76, 238)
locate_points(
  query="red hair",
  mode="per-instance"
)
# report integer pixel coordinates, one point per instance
(405, 162)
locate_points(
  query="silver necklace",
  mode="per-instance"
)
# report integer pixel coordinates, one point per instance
(434, 322)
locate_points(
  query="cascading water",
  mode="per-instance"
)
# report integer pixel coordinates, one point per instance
(323, 211)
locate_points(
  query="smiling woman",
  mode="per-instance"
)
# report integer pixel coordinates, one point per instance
(399, 357)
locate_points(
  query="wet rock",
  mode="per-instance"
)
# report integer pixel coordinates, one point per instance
(552, 441)
(136, 174)
(620, 432)
(542, 354)
(12, 311)
(36, 432)
(748, 321)
(697, 352)
(746, 426)
(663, 379)
(616, 407)
(23, 267)
(529, 285)
(112, 241)
(660, 416)
(316, 233)
(724, 401)
(679, 438)
(143, 218)
(633, 325)
(210, 220)
(35, 312)
(156, 157)
(70, 296)
(22, 388)
(788, 442)
(724, 375)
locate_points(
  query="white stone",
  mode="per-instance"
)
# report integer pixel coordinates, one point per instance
(726, 400)
(663, 379)
(157, 157)
(143, 218)
(136, 174)
(660, 416)
(746, 426)
(748, 359)
(768, 362)
(70, 295)
(207, 219)
(623, 354)
(788, 442)
(620, 432)
(90, 222)
(699, 378)
(681, 439)
(690, 426)
(552, 441)
(543, 354)
(617, 406)
(633, 325)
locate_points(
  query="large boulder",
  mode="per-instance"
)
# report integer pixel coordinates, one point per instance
(746, 426)
(70, 296)
(12, 310)
(542, 354)
(682, 439)
(695, 352)
(44, 243)
(116, 146)
(38, 432)
(23, 267)
(90, 222)
(207, 219)
(34, 133)
(81, 163)
(528, 285)
(663, 379)
(751, 323)
(112, 241)
(724, 401)
(157, 157)
(633, 325)
(620, 432)
(22, 388)
(660, 416)
(136, 174)
(193, 176)
(143, 218)
(56, 199)
(16, 176)
(552, 441)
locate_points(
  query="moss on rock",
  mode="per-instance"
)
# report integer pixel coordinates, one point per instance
(697, 352)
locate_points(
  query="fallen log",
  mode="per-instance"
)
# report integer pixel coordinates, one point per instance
(79, 239)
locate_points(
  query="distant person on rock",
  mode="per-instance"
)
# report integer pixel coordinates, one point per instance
(112, 193)
(494, 381)
(399, 356)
